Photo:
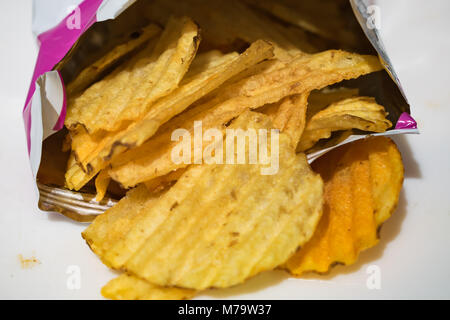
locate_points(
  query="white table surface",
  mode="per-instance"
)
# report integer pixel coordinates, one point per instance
(412, 256)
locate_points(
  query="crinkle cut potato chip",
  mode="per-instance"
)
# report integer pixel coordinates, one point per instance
(244, 222)
(93, 72)
(288, 115)
(296, 123)
(302, 75)
(129, 92)
(361, 113)
(108, 228)
(128, 287)
(167, 107)
(362, 180)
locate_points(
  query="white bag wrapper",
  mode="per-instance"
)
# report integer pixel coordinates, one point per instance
(58, 24)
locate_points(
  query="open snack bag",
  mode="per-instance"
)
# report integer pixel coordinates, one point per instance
(209, 141)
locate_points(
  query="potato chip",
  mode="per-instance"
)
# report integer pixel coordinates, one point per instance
(288, 115)
(362, 186)
(271, 110)
(244, 222)
(296, 123)
(163, 181)
(284, 111)
(108, 228)
(75, 177)
(130, 92)
(101, 184)
(128, 287)
(208, 60)
(387, 183)
(109, 145)
(153, 160)
(302, 75)
(361, 113)
(94, 72)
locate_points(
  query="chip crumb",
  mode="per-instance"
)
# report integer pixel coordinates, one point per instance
(28, 263)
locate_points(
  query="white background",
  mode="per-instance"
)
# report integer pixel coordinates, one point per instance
(413, 254)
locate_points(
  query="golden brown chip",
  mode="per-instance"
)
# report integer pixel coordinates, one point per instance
(288, 115)
(163, 181)
(128, 287)
(82, 144)
(129, 93)
(361, 113)
(387, 183)
(101, 184)
(296, 123)
(75, 177)
(302, 75)
(271, 110)
(284, 111)
(93, 72)
(362, 186)
(108, 228)
(107, 145)
(208, 60)
(220, 224)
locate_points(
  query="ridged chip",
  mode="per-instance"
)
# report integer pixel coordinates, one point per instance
(296, 122)
(128, 287)
(93, 72)
(129, 92)
(112, 226)
(288, 115)
(361, 113)
(220, 224)
(362, 186)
